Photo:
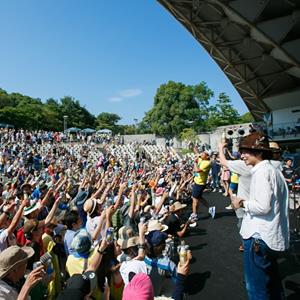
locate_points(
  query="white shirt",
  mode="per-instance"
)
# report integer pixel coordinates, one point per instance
(239, 167)
(266, 211)
(7, 292)
(277, 164)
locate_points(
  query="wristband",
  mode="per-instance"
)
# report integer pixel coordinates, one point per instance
(141, 246)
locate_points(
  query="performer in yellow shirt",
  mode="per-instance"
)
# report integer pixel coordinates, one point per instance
(202, 166)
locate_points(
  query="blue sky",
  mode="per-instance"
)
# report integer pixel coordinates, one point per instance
(111, 55)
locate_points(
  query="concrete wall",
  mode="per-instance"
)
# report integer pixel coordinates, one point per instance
(140, 138)
(209, 138)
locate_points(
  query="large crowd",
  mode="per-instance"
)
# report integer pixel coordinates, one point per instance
(92, 221)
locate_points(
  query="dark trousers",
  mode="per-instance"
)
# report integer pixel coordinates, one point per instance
(261, 271)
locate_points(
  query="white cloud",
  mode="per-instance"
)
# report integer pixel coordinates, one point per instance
(129, 93)
(115, 99)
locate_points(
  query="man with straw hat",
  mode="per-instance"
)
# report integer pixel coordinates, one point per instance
(174, 220)
(131, 247)
(265, 226)
(13, 263)
(277, 152)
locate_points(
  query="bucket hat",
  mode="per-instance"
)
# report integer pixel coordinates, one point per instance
(12, 256)
(81, 242)
(126, 238)
(178, 206)
(156, 225)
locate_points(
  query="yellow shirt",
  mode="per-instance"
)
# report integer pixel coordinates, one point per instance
(234, 178)
(201, 177)
(77, 265)
(54, 286)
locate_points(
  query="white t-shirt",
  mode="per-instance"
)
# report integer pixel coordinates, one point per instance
(135, 266)
(6, 241)
(91, 225)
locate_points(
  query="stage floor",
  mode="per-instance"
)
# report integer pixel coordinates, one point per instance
(217, 268)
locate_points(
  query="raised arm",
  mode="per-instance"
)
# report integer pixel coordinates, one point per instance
(96, 259)
(17, 217)
(223, 160)
(51, 214)
(5, 212)
(120, 194)
(97, 230)
(161, 202)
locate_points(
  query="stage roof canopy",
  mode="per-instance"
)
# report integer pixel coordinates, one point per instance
(255, 42)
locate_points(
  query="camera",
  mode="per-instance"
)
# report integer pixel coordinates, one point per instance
(46, 261)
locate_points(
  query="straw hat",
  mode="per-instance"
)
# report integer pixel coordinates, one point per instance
(275, 147)
(30, 226)
(126, 238)
(147, 208)
(12, 256)
(178, 206)
(131, 242)
(156, 225)
(89, 206)
(29, 209)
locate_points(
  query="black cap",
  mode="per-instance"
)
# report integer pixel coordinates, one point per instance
(78, 286)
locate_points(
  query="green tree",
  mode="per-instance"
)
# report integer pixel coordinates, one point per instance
(53, 115)
(178, 106)
(126, 129)
(247, 118)
(26, 112)
(223, 113)
(189, 135)
(107, 120)
(78, 116)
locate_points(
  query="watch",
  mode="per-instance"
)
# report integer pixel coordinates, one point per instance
(142, 246)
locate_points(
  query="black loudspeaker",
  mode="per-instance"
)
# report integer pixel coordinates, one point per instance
(241, 131)
(230, 132)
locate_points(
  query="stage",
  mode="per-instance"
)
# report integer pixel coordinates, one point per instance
(217, 267)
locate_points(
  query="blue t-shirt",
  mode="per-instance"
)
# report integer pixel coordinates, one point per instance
(69, 235)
